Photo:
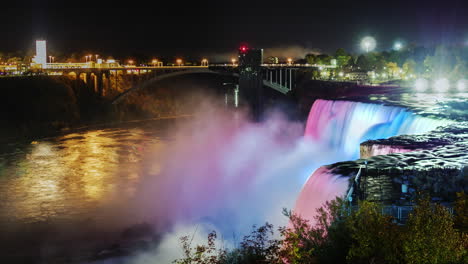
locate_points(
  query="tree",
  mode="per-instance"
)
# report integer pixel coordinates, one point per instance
(430, 236)
(341, 57)
(459, 70)
(311, 58)
(258, 247)
(375, 238)
(201, 254)
(409, 67)
(428, 66)
(325, 241)
(363, 63)
(323, 59)
(393, 69)
(461, 212)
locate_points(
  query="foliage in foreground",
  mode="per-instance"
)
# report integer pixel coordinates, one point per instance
(339, 235)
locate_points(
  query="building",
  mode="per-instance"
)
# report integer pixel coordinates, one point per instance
(40, 60)
(251, 80)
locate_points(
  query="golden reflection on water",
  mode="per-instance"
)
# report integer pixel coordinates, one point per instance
(73, 175)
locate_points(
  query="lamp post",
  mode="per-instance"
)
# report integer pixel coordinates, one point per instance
(368, 44)
(397, 46)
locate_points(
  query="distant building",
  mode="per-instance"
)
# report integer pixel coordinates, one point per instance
(40, 60)
(273, 60)
(358, 76)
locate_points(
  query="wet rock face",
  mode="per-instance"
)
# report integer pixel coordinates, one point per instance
(436, 162)
(443, 136)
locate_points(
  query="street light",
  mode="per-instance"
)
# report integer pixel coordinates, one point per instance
(179, 62)
(397, 46)
(421, 85)
(289, 61)
(442, 85)
(233, 61)
(368, 44)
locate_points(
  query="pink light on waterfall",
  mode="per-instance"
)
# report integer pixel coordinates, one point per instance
(340, 127)
(323, 186)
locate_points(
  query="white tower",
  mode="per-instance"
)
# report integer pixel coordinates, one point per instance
(41, 53)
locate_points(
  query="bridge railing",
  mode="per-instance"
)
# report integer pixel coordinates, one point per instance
(399, 212)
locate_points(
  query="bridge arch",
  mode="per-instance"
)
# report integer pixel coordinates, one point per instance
(159, 78)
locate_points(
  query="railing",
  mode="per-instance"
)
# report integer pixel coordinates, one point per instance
(349, 196)
(399, 212)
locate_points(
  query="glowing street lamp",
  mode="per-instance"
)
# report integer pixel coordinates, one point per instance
(397, 46)
(442, 85)
(421, 85)
(233, 61)
(179, 62)
(368, 44)
(289, 61)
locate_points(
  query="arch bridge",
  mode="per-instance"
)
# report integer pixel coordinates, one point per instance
(108, 81)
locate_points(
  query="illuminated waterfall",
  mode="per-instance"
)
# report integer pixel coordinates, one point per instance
(342, 126)
(230, 175)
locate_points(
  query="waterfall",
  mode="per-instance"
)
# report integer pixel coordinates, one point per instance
(343, 125)
(340, 126)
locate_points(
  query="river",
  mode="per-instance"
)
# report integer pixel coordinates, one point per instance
(60, 188)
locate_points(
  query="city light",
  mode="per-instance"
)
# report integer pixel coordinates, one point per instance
(179, 62)
(243, 49)
(397, 46)
(421, 85)
(442, 85)
(130, 62)
(368, 44)
(233, 61)
(461, 85)
(289, 61)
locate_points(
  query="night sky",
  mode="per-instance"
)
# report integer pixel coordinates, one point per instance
(204, 28)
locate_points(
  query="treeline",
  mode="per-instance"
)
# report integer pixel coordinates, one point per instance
(409, 62)
(338, 235)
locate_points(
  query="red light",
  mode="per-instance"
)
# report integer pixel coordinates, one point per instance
(243, 49)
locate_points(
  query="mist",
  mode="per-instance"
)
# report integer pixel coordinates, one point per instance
(222, 172)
